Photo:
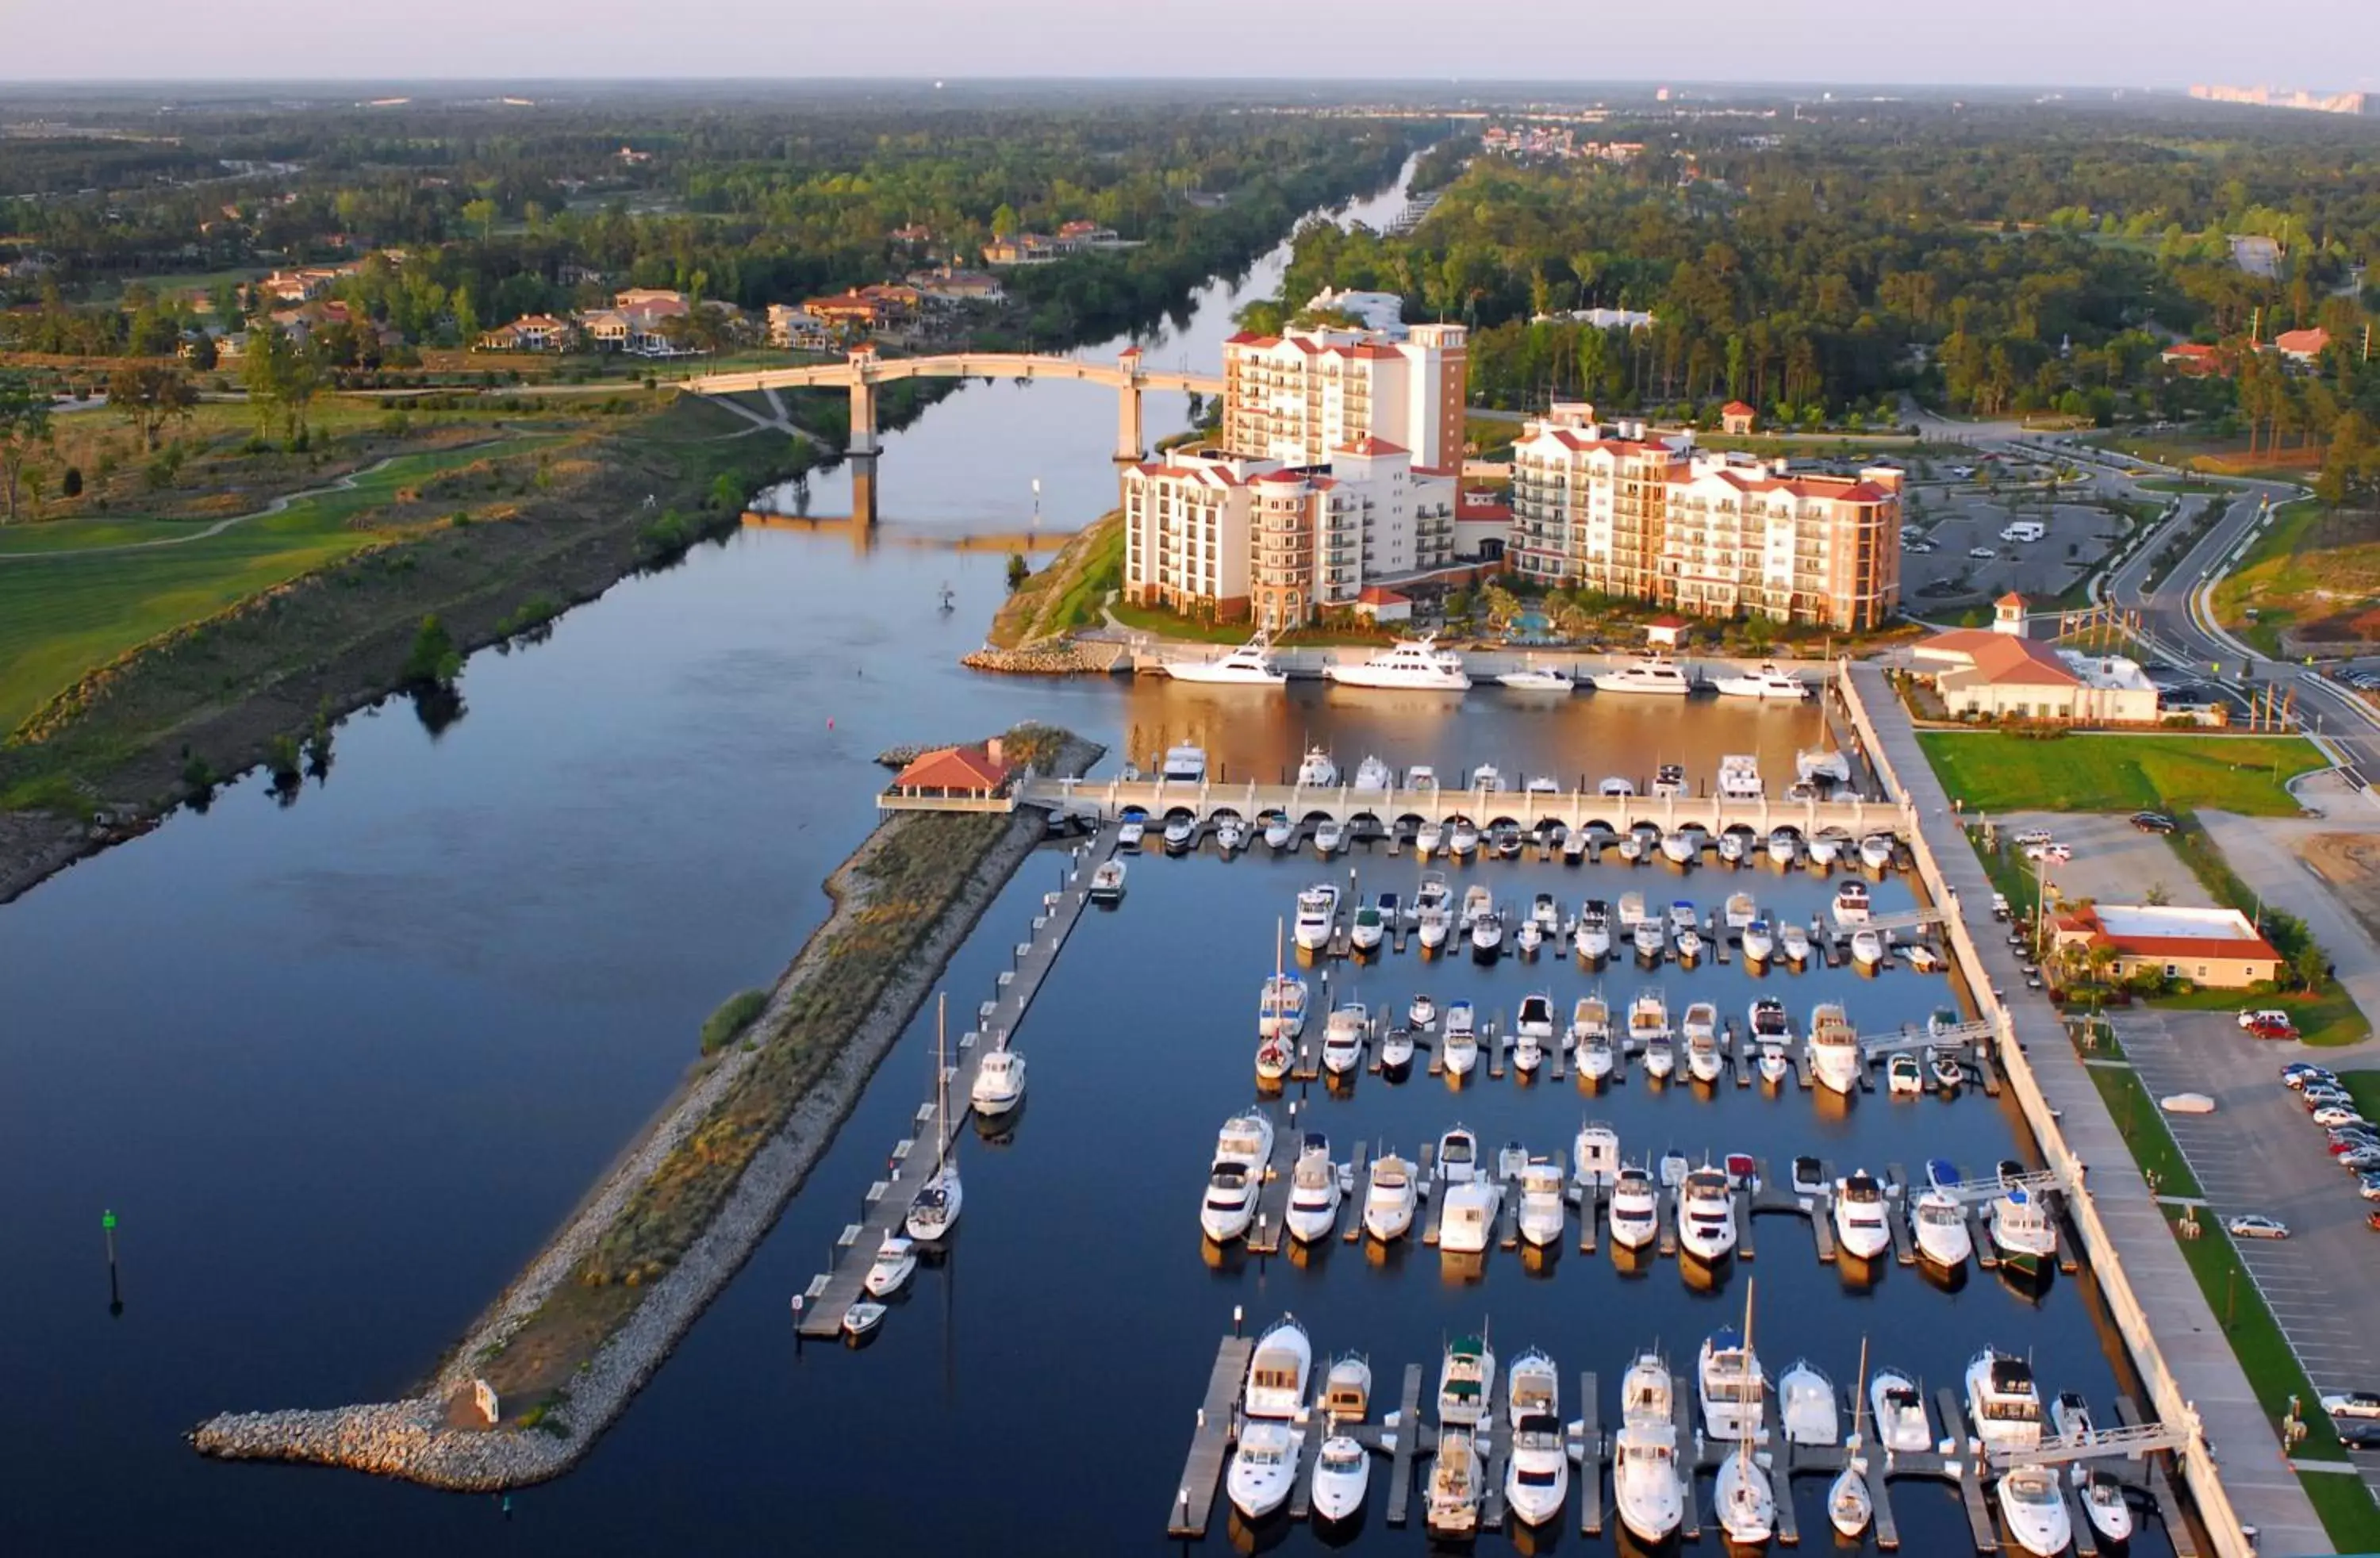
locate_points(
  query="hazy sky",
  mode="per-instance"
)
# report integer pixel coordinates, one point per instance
(2324, 43)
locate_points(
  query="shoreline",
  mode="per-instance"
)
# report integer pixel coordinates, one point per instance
(421, 1439)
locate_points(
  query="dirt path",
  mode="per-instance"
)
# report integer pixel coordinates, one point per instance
(2351, 864)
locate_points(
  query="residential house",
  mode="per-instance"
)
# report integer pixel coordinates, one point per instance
(2218, 947)
(1736, 420)
(2303, 347)
(791, 327)
(946, 288)
(531, 332)
(2192, 360)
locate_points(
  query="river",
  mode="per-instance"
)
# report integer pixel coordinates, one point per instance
(339, 1068)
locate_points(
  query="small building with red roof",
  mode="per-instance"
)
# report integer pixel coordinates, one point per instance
(1665, 632)
(2302, 346)
(1737, 420)
(2191, 359)
(2209, 946)
(972, 778)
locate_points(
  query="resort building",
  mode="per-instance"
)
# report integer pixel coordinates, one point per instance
(1297, 396)
(1622, 511)
(2209, 946)
(2001, 674)
(972, 778)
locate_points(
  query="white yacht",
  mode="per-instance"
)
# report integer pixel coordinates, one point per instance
(1589, 1020)
(1466, 1382)
(1264, 1464)
(1489, 779)
(999, 1083)
(1316, 770)
(2103, 1505)
(1537, 678)
(1388, 1203)
(1533, 1395)
(1462, 838)
(1373, 774)
(1454, 1488)
(1536, 1478)
(1649, 940)
(1729, 1376)
(2022, 1232)
(1645, 1482)
(1939, 1224)
(1544, 1213)
(1107, 882)
(1329, 836)
(1632, 910)
(1827, 845)
(1594, 1157)
(1396, 1050)
(1241, 1150)
(1775, 1063)
(2035, 1507)
(1130, 831)
(2003, 1403)
(1648, 674)
(1430, 837)
(1421, 776)
(1700, 1026)
(1529, 938)
(1706, 1216)
(1248, 666)
(1487, 937)
(1805, 1400)
(1347, 1389)
(1636, 1208)
(1867, 947)
(1784, 847)
(1342, 1475)
(1766, 682)
(1740, 912)
(1903, 1077)
(1279, 832)
(1179, 832)
(1466, 1223)
(1876, 852)
(1823, 763)
(1648, 1018)
(1735, 846)
(1678, 849)
(1279, 1371)
(1900, 1408)
(1794, 943)
(1767, 1019)
(935, 1211)
(1616, 788)
(895, 1262)
(1860, 1226)
(1458, 1046)
(1183, 765)
(1415, 664)
(2070, 1418)
(1739, 777)
(1661, 1058)
(1230, 836)
(1342, 1037)
(1834, 1049)
(1421, 1011)
(1458, 1156)
(1318, 915)
(1370, 926)
(1670, 782)
(1593, 934)
(1536, 1018)
(1313, 1191)
(1850, 905)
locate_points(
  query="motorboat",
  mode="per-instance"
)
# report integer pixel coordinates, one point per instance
(1243, 1148)
(1107, 882)
(1614, 787)
(1528, 939)
(1318, 915)
(1794, 943)
(860, 1320)
(1129, 833)
(1536, 1018)
(1432, 892)
(1678, 849)
(1279, 832)
(1544, 1213)
(1279, 1371)
(1373, 774)
(1941, 1174)
(1594, 1157)
(1329, 836)
(1421, 776)
(1632, 910)
(1636, 1208)
(1766, 682)
(1739, 777)
(1371, 927)
(1264, 1464)
(1458, 1046)
(999, 1084)
(1430, 837)
(1342, 1475)
(1528, 1054)
(1835, 1058)
(1700, 1027)
(1276, 1057)
(1673, 1168)
(1742, 1171)
(1453, 1491)
(1661, 1058)
(1396, 1050)
(1388, 1203)
(1860, 1227)
(1432, 923)
(1759, 941)
(1850, 905)
(1706, 1216)
(1462, 838)
(1649, 674)
(1809, 1178)
(1733, 846)
(2035, 1507)
(1180, 832)
(1648, 1018)
(2010, 1173)
(1593, 934)
(1467, 1221)
(1546, 913)
(1412, 664)
(1939, 1222)
(1505, 839)
(1421, 1011)
(1488, 779)
(1876, 852)
(1670, 782)
(1537, 678)
(1458, 1156)
(1487, 937)
(1784, 846)
(1650, 941)
(1825, 765)
(1922, 959)
(1248, 666)
(1728, 1374)
(1347, 1389)
(1477, 902)
(1342, 1037)
(2003, 1403)
(1867, 947)
(2069, 1417)
(1466, 1382)
(1645, 1482)
(1230, 835)
(1805, 1400)
(1738, 912)
(2103, 1505)
(1317, 770)
(1536, 1475)
(1767, 1018)
(1313, 1191)
(1900, 1408)
(1743, 1498)
(2022, 1233)
(1775, 1063)
(1903, 1077)
(935, 1210)
(895, 1262)
(1590, 1028)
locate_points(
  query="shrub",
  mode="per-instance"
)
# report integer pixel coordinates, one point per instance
(735, 1015)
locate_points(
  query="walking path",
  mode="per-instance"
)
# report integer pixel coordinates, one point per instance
(2256, 1476)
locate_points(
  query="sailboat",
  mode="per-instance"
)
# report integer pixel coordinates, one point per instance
(1850, 1503)
(1747, 1504)
(936, 1210)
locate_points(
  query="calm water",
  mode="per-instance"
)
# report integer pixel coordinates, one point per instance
(340, 1068)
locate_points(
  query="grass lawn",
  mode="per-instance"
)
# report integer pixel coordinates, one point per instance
(2364, 1087)
(2136, 1114)
(1167, 625)
(1996, 771)
(2308, 564)
(2324, 1021)
(62, 616)
(2346, 1510)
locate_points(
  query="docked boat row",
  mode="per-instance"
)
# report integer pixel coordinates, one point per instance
(1419, 664)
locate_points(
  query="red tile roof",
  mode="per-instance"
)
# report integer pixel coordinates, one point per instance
(2010, 598)
(969, 769)
(1737, 409)
(1380, 595)
(1369, 444)
(2085, 922)
(2308, 342)
(2000, 658)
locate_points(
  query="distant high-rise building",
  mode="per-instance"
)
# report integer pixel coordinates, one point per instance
(2286, 97)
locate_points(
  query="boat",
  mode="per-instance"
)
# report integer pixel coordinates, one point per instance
(1528, 1054)
(1678, 849)
(1280, 1007)
(1432, 922)
(1453, 1492)
(1648, 674)
(1388, 1203)
(1767, 1018)
(1746, 1501)
(1248, 666)
(1487, 937)
(1421, 776)
(1860, 1227)
(1635, 1214)
(1809, 1178)
(860, 1320)
(1342, 1037)
(1899, 1408)
(2069, 1416)
(2103, 1505)
(1347, 1389)
(1107, 882)
(1536, 1475)
(2002, 1401)
(1706, 1216)
(1774, 1062)
(1544, 1213)
(1264, 1464)
(1466, 1382)
(1529, 938)
(1851, 1503)
(1180, 833)
(1594, 1157)
(1575, 843)
(1632, 910)
(935, 1211)
(1275, 1057)
(1728, 1374)
(1279, 832)
(1129, 832)
(1488, 779)
(1593, 934)
(1850, 905)
(1903, 1077)
(1396, 1050)
(1317, 770)
(1670, 782)
(1373, 774)
(1371, 926)
(2035, 1507)
(1784, 846)
(1278, 1373)
(1462, 838)
(1823, 764)
(1921, 957)
(1342, 1475)
(1648, 1017)
(1794, 943)
(1318, 915)
(1742, 1171)
(1766, 682)
(1734, 848)
(1834, 1051)
(1614, 787)
(895, 1262)
(1458, 1047)
(1458, 1156)
(1537, 678)
(2010, 1173)
(999, 1083)
(1948, 1073)
(1243, 1148)
(1313, 1191)
(1536, 1018)
(1430, 837)
(2022, 1233)
(1673, 1168)
(1467, 1221)
(1413, 664)
(1645, 1476)
(1330, 835)
(1876, 852)
(1661, 1058)
(1700, 1026)
(1590, 1031)
(1230, 835)
(1759, 941)
(1421, 1011)
(1939, 1222)
(1805, 1399)
(1941, 1174)
(1867, 948)
(1649, 940)
(1739, 911)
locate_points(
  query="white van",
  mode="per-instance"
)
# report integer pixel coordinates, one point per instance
(2024, 530)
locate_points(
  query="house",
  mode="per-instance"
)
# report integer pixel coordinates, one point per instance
(2192, 360)
(531, 332)
(947, 289)
(2302, 346)
(913, 233)
(633, 322)
(1382, 604)
(1023, 249)
(1736, 419)
(2208, 946)
(975, 778)
(791, 328)
(2000, 674)
(1666, 632)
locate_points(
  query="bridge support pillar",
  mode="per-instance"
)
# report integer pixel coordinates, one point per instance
(1130, 448)
(862, 451)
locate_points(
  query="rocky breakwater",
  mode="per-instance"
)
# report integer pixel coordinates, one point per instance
(567, 1346)
(1051, 657)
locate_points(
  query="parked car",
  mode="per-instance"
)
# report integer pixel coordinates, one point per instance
(2251, 1017)
(2048, 852)
(1984, 553)
(2360, 1161)
(2256, 1226)
(2354, 1403)
(1919, 546)
(2032, 835)
(2273, 1031)
(2338, 1115)
(2153, 822)
(2359, 1434)
(2367, 1185)
(2298, 1073)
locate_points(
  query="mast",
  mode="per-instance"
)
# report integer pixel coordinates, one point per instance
(1859, 1397)
(941, 1091)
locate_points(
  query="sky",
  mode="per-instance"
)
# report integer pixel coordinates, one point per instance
(2328, 44)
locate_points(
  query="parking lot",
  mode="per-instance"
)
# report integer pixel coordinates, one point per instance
(1957, 524)
(2114, 862)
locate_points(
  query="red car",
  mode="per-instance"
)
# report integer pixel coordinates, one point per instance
(2267, 1028)
(2372, 1219)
